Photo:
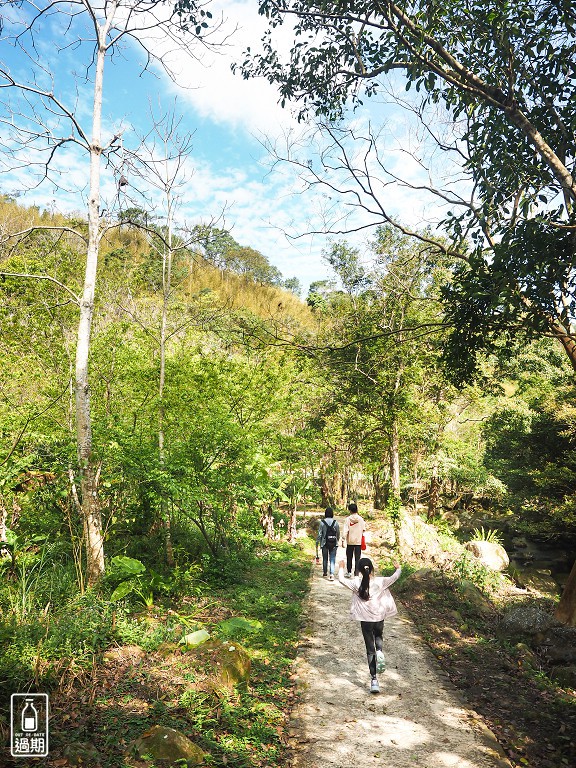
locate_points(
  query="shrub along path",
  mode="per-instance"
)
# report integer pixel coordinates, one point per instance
(417, 720)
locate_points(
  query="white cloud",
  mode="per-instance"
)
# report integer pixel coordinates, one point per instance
(263, 205)
(217, 94)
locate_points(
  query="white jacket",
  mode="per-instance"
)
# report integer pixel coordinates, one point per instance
(380, 605)
(354, 527)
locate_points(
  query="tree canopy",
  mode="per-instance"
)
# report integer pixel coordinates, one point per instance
(504, 74)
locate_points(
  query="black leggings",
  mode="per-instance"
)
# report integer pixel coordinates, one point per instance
(356, 551)
(372, 633)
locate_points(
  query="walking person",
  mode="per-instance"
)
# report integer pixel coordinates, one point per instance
(354, 527)
(372, 602)
(328, 536)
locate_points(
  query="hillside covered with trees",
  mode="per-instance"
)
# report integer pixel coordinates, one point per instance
(226, 405)
(175, 416)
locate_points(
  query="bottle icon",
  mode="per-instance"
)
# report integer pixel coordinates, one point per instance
(29, 717)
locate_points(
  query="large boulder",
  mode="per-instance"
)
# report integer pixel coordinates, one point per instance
(559, 644)
(525, 619)
(490, 554)
(230, 662)
(565, 676)
(169, 746)
(419, 537)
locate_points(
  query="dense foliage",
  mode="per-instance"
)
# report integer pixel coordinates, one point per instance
(503, 73)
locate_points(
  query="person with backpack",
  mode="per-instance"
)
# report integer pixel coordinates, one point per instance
(372, 602)
(354, 528)
(328, 536)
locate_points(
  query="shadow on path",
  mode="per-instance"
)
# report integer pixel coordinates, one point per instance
(416, 721)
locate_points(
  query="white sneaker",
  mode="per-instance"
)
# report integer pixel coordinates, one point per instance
(374, 687)
(380, 662)
(331, 577)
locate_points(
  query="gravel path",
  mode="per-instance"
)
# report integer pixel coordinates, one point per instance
(417, 720)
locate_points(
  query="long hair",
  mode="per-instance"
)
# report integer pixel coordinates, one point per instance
(365, 568)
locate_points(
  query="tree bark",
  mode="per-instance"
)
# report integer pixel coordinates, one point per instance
(3, 518)
(267, 521)
(91, 513)
(325, 492)
(394, 455)
(566, 609)
(167, 256)
(381, 489)
(292, 530)
(567, 342)
(433, 495)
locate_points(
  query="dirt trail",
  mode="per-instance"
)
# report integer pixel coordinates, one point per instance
(418, 720)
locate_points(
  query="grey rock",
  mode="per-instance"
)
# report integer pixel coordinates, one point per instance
(525, 619)
(565, 676)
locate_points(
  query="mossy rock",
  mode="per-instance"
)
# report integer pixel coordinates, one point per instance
(168, 649)
(82, 753)
(233, 665)
(565, 676)
(474, 598)
(167, 746)
(230, 662)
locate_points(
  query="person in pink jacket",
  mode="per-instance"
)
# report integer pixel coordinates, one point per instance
(372, 602)
(354, 527)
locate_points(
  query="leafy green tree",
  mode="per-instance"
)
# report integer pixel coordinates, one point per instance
(529, 440)
(41, 120)
(502, 66)
(503, 71)
(319, 293)
(293, 284)
(380, 372)
(500, 70)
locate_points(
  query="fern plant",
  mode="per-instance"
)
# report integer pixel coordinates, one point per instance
(479, 534)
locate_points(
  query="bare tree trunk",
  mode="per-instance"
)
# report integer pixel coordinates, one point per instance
(381, 488)
(267, 521)
(566, 609)
(166, 286)
(433, 495)
(91, 513)
(338, 489)
(292, 524)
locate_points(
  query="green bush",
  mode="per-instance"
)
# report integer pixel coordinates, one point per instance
(133, 630)
(469, 568)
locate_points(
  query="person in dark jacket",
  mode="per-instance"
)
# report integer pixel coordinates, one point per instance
(328, 537)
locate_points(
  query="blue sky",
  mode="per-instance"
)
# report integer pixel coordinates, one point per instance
(229, 167)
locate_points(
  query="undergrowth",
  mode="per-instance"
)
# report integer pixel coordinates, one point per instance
(108, 701)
